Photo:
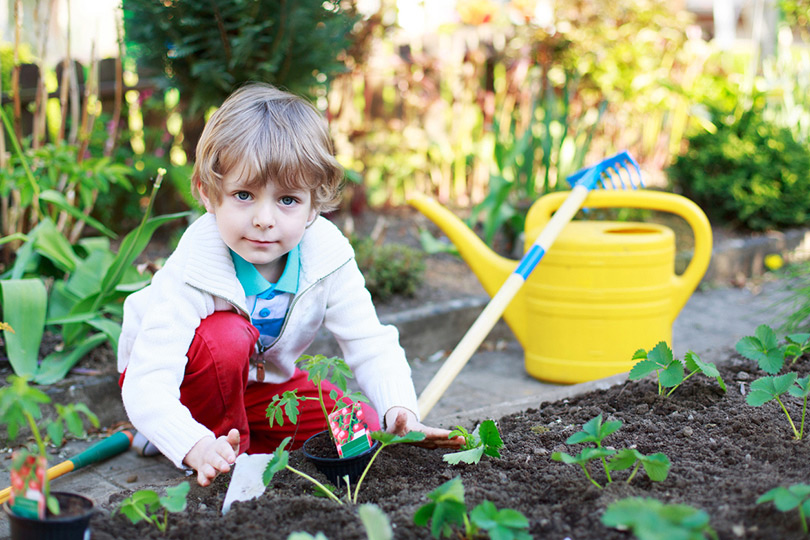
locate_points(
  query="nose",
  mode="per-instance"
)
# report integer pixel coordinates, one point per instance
(263, 216)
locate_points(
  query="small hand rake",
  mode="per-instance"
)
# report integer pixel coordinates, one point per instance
(615, 172)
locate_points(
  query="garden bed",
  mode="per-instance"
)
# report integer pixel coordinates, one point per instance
(724, 455)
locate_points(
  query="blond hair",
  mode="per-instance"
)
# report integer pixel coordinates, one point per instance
(271, 135)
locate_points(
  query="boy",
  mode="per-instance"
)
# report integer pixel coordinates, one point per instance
(214, 337)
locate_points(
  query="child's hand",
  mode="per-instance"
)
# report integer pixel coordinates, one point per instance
(210, 456)
(400, 421)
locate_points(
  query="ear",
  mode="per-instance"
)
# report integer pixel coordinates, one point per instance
(207, 202)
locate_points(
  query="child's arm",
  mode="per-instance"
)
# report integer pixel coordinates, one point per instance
(400, 421)
(210, 456)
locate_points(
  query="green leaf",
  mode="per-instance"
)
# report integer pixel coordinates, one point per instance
(376, 523)
(56, 365)
(765, 389)
(24, 304)
(471, 456)
(387, 438)
(801, 389)
(175, 499)
(490, 437)
(642, 369)
(277, 463)
(763, 349)
(672, 375)
(58, 199)
(656, 466)
(624, 459)
(53, 245)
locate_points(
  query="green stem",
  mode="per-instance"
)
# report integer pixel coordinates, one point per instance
(362, 476)
(325, 413)
(804, 411)
(680, 383)
(161, 525)
(803, 519)
(321, 486)
(635, 470)
(604, 464)
(792, 425)
(588, 476)
(18, 150)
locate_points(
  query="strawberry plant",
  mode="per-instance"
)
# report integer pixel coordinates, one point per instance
(670, 370)
(447, 512)
(650, 519)
(594, 431)
(787, 498)
(146, 504)
(770, 388)
(484, 440)
(764, 348)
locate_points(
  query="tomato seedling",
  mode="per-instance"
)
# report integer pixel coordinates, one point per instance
(764, 348)
(787, 498)
(650, 519)
(770, 388)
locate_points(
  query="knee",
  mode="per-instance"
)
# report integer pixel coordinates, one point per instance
(226, 336)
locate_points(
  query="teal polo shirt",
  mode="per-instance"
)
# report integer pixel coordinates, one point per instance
(267, 302)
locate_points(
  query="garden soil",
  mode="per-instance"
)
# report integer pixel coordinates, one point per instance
(724, 455)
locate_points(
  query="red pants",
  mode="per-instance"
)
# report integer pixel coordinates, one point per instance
(216, 391)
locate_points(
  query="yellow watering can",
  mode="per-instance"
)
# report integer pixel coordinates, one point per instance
(604, 290)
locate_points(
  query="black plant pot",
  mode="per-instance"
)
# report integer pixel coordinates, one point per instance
(72, 524)
(335, 468)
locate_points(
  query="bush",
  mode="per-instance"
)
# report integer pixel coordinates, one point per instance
(750, 173)
(389, 269)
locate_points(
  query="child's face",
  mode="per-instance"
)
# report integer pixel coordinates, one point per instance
(261, 224)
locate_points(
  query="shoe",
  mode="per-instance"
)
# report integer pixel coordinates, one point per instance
(142, 445)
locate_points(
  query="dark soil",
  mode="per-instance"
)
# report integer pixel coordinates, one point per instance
(724, 455)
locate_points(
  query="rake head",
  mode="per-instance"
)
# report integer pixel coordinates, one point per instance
(615, 172)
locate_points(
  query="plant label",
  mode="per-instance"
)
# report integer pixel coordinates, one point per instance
(352, 436)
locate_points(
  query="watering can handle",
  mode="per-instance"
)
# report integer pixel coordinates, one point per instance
(683, 285)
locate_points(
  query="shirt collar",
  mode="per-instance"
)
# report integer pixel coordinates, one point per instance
(254, 283)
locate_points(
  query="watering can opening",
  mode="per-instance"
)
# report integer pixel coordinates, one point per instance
(633, 230)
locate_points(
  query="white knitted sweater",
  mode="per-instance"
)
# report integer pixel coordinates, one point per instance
(198, 279)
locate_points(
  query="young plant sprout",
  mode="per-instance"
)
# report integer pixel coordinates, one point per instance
(447, 512)
(485, 439)
(770, 388)
(320, 368)
(670, 370)
(146, 505)
(787, 498)
(763, 348)
(20, 407)
(650, 519)
(594, 431)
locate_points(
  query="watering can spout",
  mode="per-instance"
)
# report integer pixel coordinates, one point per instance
(490, 268)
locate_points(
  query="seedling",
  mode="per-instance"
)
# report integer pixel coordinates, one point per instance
(763, 347)
(485, 439)
(770, 388)
(280, 461)
(787, 498)
(320, 368)
(670, 370)
(447, 511)
(650, 519)
(594, 431)
(19, 407)
(146, 505)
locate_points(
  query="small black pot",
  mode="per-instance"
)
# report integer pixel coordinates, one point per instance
(75, 526)
(336, 468)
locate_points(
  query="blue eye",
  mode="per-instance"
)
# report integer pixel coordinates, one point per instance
(288, 201)
(243, 195)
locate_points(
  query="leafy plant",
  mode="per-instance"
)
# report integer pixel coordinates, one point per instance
(85, 302)
(20, 407)
(389, 269)
(748, 172)
(770, 388)
(447, 511)
(319, 368)
(764, 348)
(594, 431)
(669, 370)
(484, 440)
(146, 505)
(650, 519)
(787, 498)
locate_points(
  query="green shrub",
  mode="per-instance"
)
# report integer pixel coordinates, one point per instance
(390, 269)
(750, 173)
